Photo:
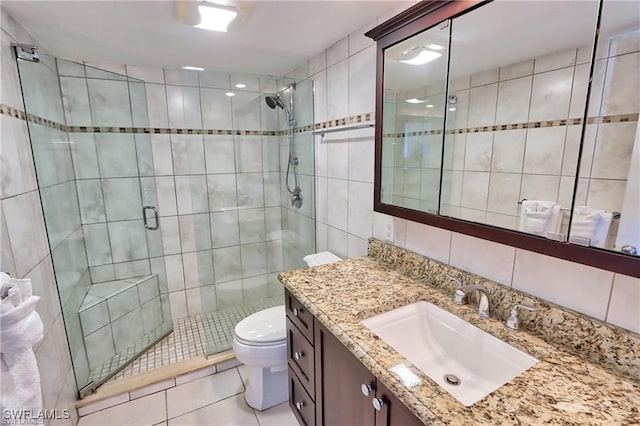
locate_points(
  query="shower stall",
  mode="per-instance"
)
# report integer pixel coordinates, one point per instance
(167, 201)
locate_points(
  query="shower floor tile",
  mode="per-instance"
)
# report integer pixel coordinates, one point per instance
(195, 336)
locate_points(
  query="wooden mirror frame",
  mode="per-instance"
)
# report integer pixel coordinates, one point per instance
(412, 21)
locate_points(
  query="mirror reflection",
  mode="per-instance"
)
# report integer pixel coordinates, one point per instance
(520, 72)
(488, 117)
(414, 111)
(610, 167)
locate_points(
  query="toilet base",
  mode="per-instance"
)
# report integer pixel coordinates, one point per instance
(267, 386)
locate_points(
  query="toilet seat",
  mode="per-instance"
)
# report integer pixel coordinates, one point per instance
(261, 338)
(263, 329)
(260, 344)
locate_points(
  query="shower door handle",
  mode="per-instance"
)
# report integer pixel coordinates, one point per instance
(155, 216)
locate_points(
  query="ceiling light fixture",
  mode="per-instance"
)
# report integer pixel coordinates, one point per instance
(230, 94)
(215, 17)
(414, 101)
(190, 68)
(429, 106)
(240, 86)
(418, 56)
(452, 109)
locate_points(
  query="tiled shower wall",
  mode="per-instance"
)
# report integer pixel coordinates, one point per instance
(345, 85)
(113, 171)
(24, 250)
(218, 196)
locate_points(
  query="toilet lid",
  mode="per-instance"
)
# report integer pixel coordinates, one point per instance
(266, 326)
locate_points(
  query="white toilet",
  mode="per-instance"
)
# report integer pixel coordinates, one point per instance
(260, 343)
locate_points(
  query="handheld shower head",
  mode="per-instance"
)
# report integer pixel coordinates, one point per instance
(274, 101)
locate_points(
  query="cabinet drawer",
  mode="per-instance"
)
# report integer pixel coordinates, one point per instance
(300, 316)
(301, 357)
(301, 403)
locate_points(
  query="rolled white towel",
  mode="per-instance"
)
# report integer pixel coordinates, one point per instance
(592, 224)
(20, 329)
(539, 217)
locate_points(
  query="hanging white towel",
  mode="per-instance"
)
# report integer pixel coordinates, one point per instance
(555, 221)
(540, 217)
(20, 329)
(592, 224)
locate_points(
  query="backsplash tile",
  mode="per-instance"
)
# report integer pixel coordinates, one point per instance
(482, 257)
(623, 307)
(583, 288)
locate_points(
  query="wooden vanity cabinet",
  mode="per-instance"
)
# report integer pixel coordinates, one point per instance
(328, 387)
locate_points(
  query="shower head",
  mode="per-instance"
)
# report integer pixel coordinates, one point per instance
(274, 101)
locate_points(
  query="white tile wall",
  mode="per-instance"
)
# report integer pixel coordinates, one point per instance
(428, 240)
(623, 307)
(575, 286)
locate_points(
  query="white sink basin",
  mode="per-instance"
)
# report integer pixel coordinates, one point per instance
(439, 343)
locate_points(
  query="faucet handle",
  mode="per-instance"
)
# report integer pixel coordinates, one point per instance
(512, 323)
(456, 280)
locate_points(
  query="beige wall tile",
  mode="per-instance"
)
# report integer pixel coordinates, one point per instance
(485, 258)
(624, 308)
(579, 287)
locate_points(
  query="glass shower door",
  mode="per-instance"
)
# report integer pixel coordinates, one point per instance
(95, 173)
(256, 231)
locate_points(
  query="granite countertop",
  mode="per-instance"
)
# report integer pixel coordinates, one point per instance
(560, 389)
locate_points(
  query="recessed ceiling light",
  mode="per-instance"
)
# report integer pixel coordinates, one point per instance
(241, 86)
(452, 109)
(230, 94)
(429, 106)
(414, 101)
(418, 56)
(215, 17)
(192, 68)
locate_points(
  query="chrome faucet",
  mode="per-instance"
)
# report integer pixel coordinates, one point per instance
(512, 323)
(460, 296)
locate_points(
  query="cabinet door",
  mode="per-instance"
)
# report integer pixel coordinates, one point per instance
(393, 412)
(339, 378)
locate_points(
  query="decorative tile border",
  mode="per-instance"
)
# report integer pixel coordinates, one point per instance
(12, 112)
(354, 119)
(171, 131)
(621, 118)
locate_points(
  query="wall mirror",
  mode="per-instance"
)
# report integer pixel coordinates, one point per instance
(487, 111)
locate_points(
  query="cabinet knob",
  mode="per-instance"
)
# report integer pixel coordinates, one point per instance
(296, 312)
(366, 389)
(377, 403)
(299, 405)
(298, 355)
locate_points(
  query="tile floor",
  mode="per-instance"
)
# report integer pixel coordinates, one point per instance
(212, 400)
(195, 336)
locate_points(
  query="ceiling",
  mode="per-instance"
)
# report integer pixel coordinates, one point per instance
(273, 38)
